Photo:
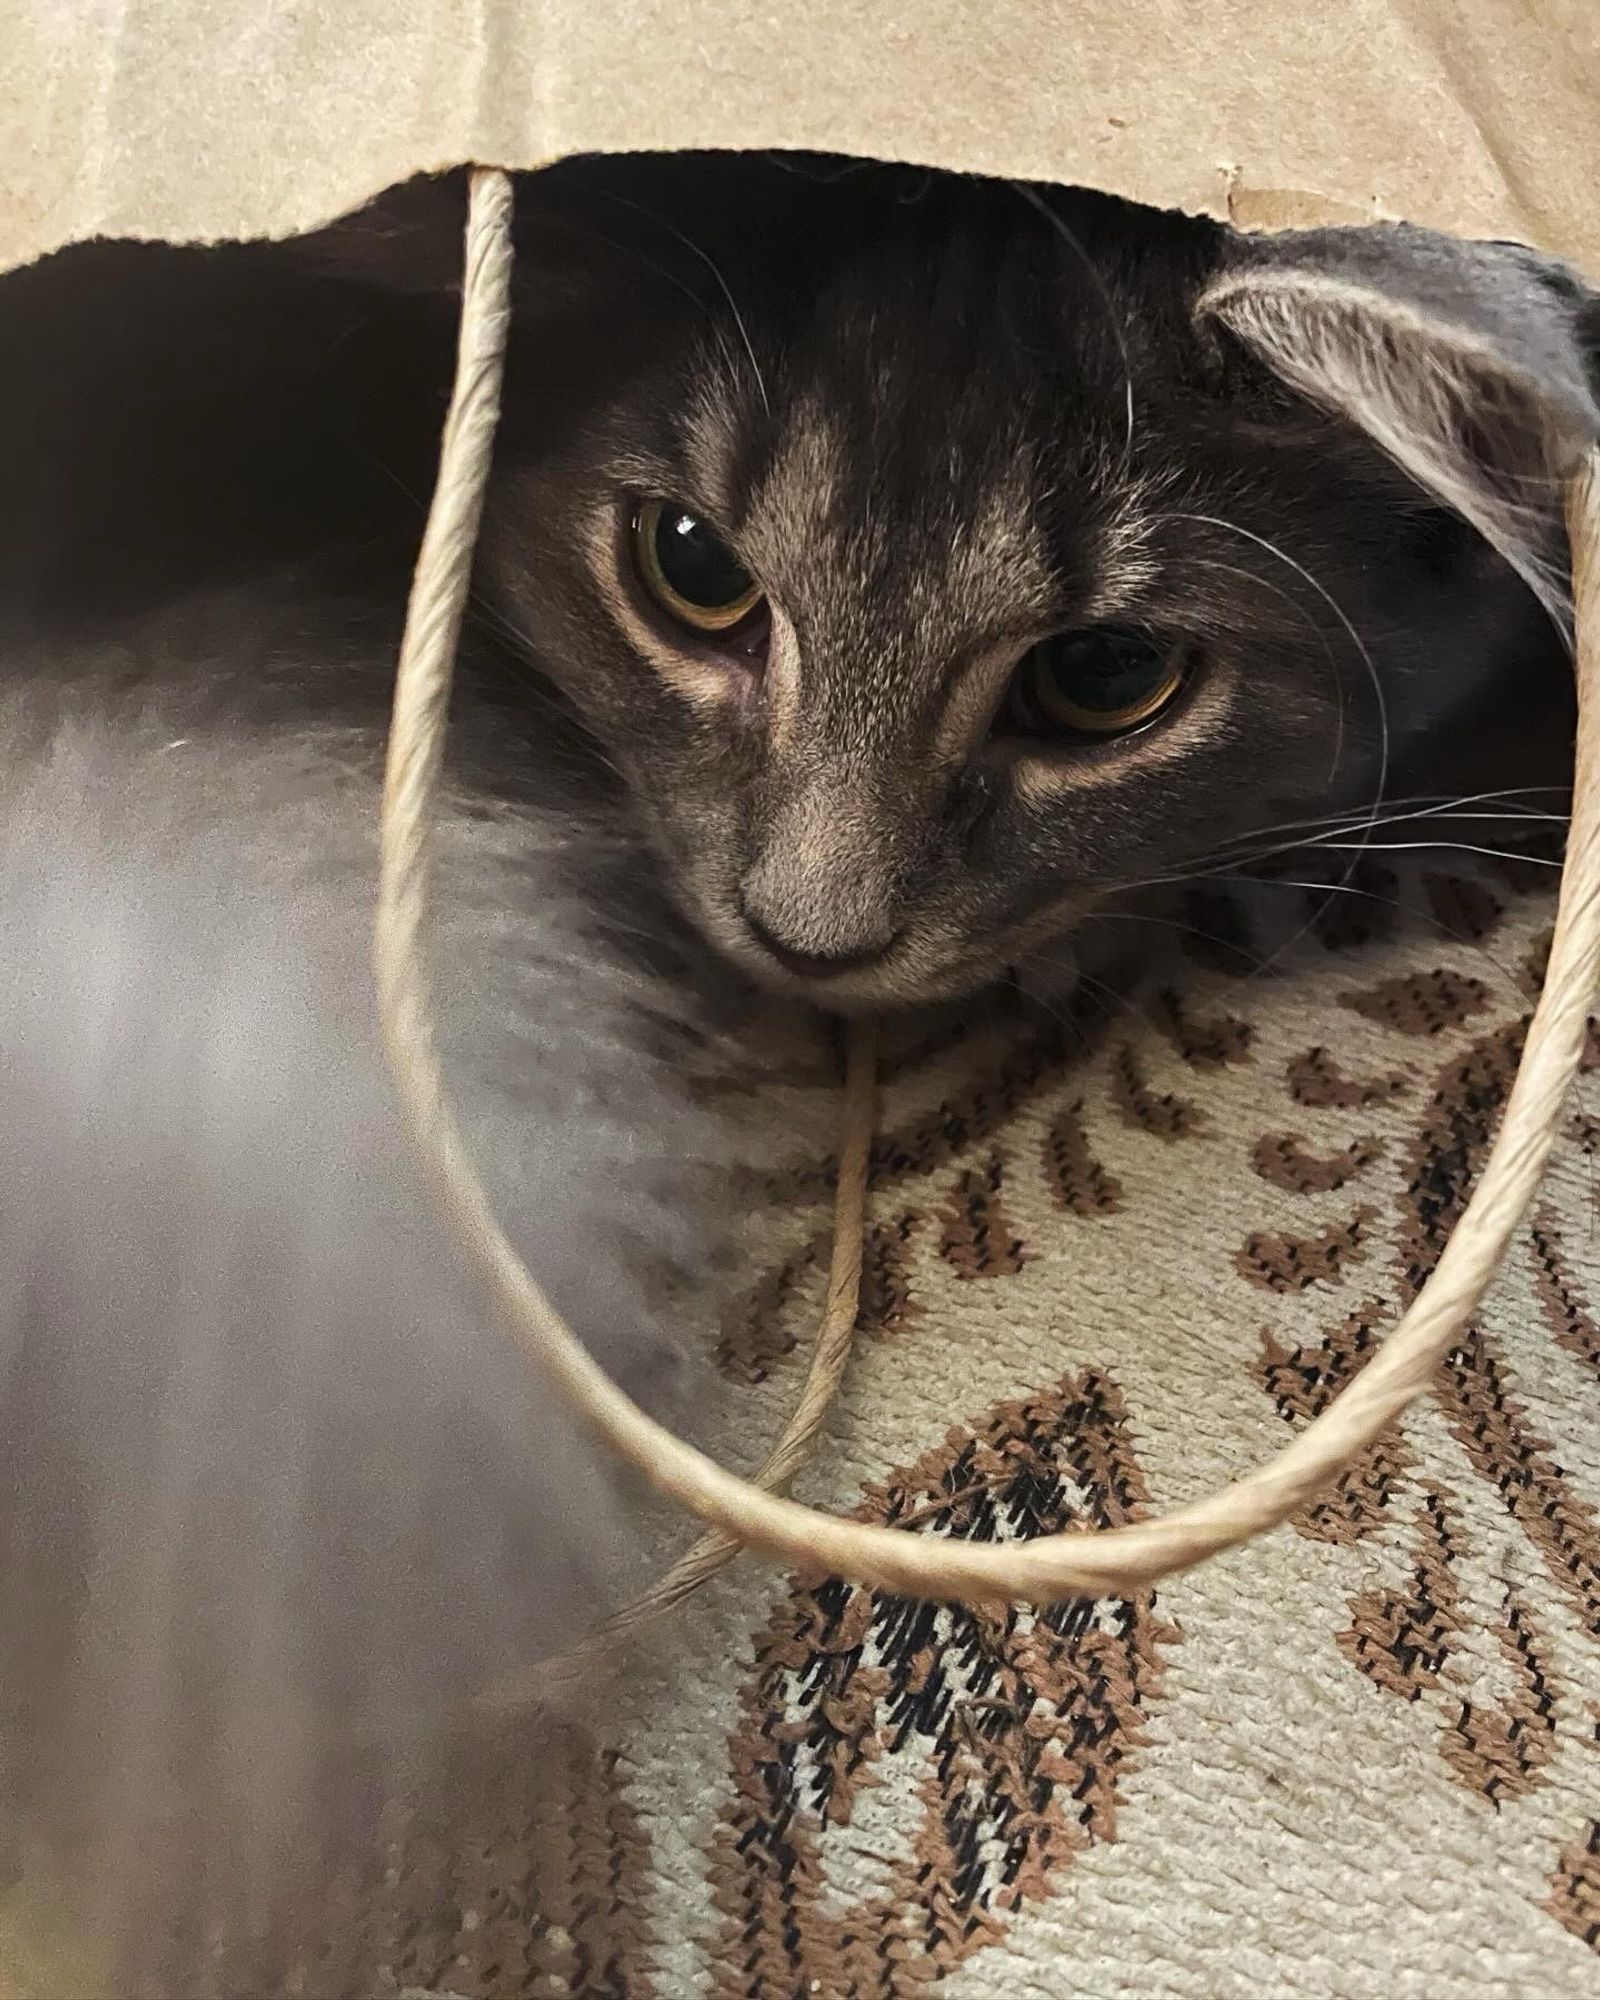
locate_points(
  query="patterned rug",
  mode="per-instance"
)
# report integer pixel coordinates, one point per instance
(1116, 1258)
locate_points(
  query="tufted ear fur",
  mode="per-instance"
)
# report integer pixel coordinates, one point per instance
(1475, 366)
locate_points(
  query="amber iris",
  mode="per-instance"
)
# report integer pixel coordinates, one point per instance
(1103, 680)
(689, 570)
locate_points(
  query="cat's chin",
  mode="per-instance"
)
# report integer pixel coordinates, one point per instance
(889, 990)
(912, 974)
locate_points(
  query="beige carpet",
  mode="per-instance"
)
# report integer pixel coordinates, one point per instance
(1114, 1261)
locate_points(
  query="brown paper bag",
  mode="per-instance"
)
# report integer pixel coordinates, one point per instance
(237, 119)
(245, 118)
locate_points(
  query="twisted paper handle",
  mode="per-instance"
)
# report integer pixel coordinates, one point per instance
(1110, 1562)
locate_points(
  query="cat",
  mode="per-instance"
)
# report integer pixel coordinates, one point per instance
(885, 575)
(1070, 545)
(1066, 544)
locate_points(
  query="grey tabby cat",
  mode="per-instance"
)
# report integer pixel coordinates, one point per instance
(941, 559)
(885, 575)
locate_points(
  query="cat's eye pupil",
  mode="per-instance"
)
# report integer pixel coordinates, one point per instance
(696, 562)
(690, 571)
(1103, 680)
(1112, 671)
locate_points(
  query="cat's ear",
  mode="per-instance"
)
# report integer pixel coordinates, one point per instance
(1475, 366)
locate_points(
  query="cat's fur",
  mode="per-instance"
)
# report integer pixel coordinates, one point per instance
(280, 1489)
(266, 1441)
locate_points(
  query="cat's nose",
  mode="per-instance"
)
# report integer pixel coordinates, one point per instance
(811, 964)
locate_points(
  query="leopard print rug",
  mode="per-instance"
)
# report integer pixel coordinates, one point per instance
(1117, 1256)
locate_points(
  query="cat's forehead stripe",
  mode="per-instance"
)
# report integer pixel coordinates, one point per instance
(711, 446)
(805, 494)
(895, 528)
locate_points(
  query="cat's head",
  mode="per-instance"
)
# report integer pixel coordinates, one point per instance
(938, 558)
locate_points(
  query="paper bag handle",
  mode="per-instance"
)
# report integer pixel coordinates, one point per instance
(1109, 1562)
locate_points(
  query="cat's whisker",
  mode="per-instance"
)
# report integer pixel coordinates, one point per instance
(1474, 805)
(1417, 804)
(714, 268)
(1328, 890)
(1281, 555)
(1324, 833)
(1277, 590)
(1114, 318)
(1444, 846)
(1335, 843)
(1206, 866)
(1455, 811)
(1333, 839)
(1109, 1002)
(1300, 570)
(1260, 966)
(695, 250)
(1389, 903)
(1529, 816)
(1294, 882)
(1061, 1018)
(1173, 924)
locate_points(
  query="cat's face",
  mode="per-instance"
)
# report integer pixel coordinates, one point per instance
(927, 573)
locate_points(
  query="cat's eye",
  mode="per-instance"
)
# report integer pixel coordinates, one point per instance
(689, 569)
(1104, 680)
